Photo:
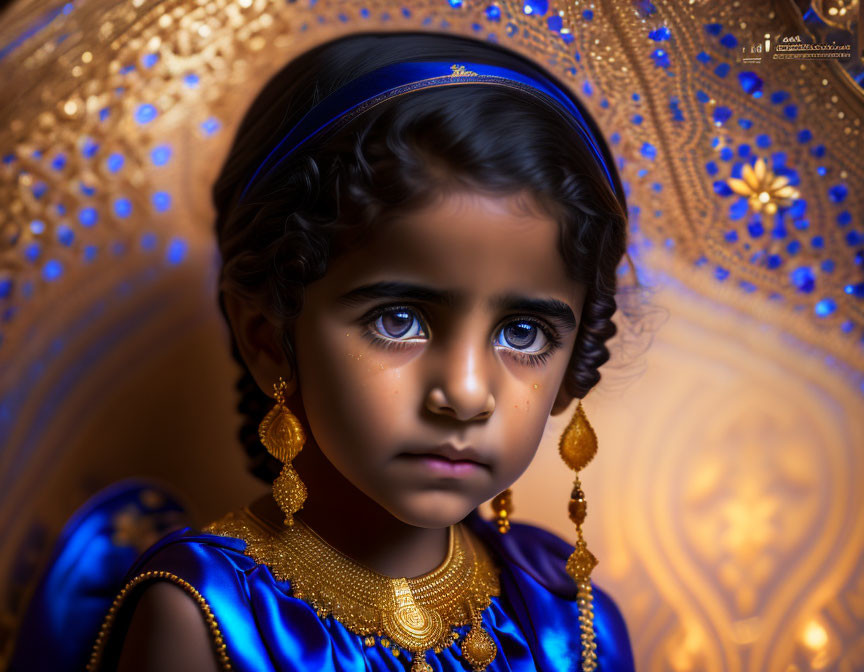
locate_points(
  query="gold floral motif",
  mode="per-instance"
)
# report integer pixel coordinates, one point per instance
(764, 191)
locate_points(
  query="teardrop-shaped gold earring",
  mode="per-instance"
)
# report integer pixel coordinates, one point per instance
(502, 505)
(282, 434)
(577, 446)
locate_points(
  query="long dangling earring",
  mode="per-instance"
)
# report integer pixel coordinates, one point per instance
(502, 505)
(282, 434)
(577, 446)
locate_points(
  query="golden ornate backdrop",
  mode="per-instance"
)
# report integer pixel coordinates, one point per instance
(723, 504)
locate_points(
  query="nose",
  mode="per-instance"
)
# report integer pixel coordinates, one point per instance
(461, 387)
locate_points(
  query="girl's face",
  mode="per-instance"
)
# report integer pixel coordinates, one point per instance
(429, 358)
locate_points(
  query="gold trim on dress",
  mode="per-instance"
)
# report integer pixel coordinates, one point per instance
(212, 625)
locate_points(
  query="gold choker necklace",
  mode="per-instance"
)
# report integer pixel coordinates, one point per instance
(417, 614)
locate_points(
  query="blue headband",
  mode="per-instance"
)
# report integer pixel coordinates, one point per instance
(372, 88)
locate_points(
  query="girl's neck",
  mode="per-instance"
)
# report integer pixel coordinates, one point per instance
(356, 525)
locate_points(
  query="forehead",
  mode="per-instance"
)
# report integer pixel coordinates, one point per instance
(472, 243)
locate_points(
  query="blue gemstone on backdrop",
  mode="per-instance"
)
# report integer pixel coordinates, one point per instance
(726, 154)
(793, 247)
(745, 123)
(615, 138)
(721, 115)
(37, 226)
(59, 162)
(90, 252)
(176, 251)
(803, 278)
(721, 273)
(493, 13)
(729, 41)
(637, 119)
(52, 270)
(677, 114)
(827, 266)
(555, 22)
(648, 150)
(722, 70)
(536, 7)
(818, 151)
(722, 189)
(743, 151)
(88, 217)
(738, 209)
(148, 241)
(844, 218)
(798, 208)
(804, 136)
(702, 97)
(763, 140)
(161, 201)
(817, 242)
(587, 89)
(838, 193)
(750, 82)
(791, 111)
(854, 238)
(89, 148)
(65, 235)
(32, 251)
(160, 155)
(825, 307)
(660, 34)
(104, 113)
(86, 189)
(210, 126)
(702, 57)
(801, 224)
(737, 167)
(847, 326)
(191, 80)
(713, 28)
(5, 288)
(778, 97)
(754, 226)
(122, 207)
(115, 162)
(149, 60)
(856, 290)
(588, 15)
(779, 231)
(711, 168)
(145, 113)
(731, 236)
(774, 261)
(661, 58)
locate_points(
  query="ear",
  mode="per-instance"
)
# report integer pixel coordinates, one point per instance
(258, 342)
(562, 401)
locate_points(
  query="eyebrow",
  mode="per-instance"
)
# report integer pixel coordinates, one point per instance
(553, 309)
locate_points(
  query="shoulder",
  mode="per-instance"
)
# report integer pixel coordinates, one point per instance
(166, 633)
(174, 593)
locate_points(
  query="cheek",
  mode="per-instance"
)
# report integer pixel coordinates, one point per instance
(351, 397)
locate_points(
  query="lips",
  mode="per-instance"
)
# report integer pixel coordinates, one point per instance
(452, 453)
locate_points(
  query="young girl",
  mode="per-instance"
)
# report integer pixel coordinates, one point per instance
(419, 237)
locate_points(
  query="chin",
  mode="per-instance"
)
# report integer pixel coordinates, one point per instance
(434, 509)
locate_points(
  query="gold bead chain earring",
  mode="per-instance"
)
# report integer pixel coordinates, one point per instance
(502, 505)
(282, 434)
(577, 446)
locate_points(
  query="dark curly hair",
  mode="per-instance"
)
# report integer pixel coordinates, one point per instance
(393, 159)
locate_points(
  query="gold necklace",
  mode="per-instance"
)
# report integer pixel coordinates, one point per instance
(417, 614)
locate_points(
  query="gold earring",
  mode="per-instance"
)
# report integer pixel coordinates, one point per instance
(282, 434)
(577, 446)
(502, 505)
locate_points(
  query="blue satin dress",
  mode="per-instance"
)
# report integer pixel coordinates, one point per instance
(257, 626)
